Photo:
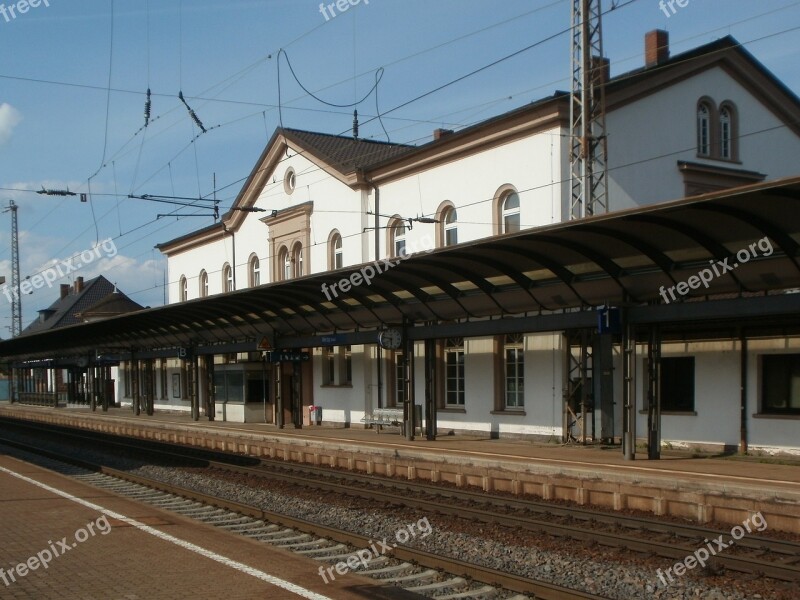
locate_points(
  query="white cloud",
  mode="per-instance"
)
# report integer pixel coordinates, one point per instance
(9, 119)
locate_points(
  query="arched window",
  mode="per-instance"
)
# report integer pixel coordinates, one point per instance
(203, 283)
(509, 212)
(183, 289)
(335, 256)
(254, 271)
(727, 131)
(297, 259)
(398, 237)
(285, 263)
(227, 278)
(704, 111)
(450, 227)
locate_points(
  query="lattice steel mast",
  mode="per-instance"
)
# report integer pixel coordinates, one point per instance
(16, 302)
(589, 152)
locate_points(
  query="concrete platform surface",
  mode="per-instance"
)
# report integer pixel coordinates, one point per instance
(97, 545)
(726, 490)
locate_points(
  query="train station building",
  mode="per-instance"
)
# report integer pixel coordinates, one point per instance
(352, 279)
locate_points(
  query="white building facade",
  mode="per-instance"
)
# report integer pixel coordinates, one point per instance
(710, 119)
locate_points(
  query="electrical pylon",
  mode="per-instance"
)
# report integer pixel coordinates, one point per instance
(589, 144)
(16, 301)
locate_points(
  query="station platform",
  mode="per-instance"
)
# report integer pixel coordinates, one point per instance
(63, 539)
(723, 490)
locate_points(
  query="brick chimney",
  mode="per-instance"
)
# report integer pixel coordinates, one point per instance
(440, 133)
(78, 285)
(656, 47)
(64, 290)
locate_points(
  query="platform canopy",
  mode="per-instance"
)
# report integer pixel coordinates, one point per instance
(630, 257)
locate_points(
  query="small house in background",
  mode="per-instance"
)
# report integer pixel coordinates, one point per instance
(67, 383)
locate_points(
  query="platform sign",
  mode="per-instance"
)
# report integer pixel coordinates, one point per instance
(277, 356)
(332, 340)
(608, 319)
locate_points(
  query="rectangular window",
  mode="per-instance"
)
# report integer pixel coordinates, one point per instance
(328, 366)
(400, 378)
(454, 372)
(676, 385)
(511, 223)
(514, 371)
(780, 384)
(726, 139)
(347, 357)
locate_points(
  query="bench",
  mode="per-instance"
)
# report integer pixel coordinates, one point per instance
(391, 416)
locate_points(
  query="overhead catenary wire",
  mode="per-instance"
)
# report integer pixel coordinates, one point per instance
(379, 113)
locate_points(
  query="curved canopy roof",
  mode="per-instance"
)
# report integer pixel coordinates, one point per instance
(625, 256)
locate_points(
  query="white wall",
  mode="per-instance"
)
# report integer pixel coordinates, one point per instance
(663, 127)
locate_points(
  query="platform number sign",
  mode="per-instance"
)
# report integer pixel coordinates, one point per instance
(608, 319)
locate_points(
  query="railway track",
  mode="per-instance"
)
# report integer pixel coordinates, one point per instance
(752, 554)
(412, 569)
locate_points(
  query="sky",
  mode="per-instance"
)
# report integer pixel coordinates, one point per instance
(74, 76)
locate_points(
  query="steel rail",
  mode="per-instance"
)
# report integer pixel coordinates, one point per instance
(540, 590)
(785, 572)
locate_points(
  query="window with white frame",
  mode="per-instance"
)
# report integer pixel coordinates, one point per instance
(399, 379)
(454, 372)
(203, 280)
(704, 129)
(328, 366)
(450, 227)
(227, 278)
(510, 213)
(285, 262)
(337, 366)
(335, 255)
(254, 268)
(297, 259)
(514, 363)
(399, 238)
(183, 287)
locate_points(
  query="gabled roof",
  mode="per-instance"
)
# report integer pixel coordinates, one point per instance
(115, 303)
(64, 311)
(346, 154)
(358, 161)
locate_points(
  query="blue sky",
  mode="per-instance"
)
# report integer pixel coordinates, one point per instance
(54, 74)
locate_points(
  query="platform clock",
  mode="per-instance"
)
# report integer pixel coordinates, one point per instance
(390, 339)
